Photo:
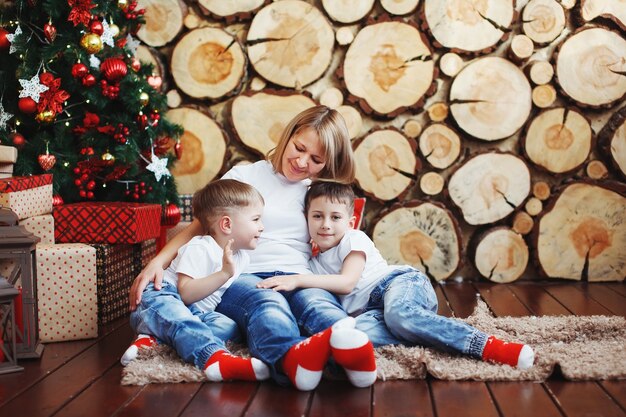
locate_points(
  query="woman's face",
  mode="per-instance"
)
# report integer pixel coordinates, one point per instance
(303, 157)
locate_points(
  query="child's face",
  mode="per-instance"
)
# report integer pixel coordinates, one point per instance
(247, 226)
(328, 222)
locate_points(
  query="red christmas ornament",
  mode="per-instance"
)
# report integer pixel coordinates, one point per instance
(50, 32)
(142, 120)
(178, 149)
(155, 81)
(57, 200)
(135, 64)
(27, 105)
(171, 215)
(47, 161)
(96, 27)
(89, 80)
(46, 78)
(4, 42)
(79, 70)
(18, 140)
(114, 69)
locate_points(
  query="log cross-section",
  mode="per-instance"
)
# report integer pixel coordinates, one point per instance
(500, 254)
(489, 186)
(424, 235)
(389, 68)
(469, 26)
(164, 19)
(543, 20)
(490, 98)
(558, 140)
(290, 43)
(582, 234)
(612, 142)
(385, 163)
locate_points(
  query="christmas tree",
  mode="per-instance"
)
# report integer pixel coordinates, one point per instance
(77, 103)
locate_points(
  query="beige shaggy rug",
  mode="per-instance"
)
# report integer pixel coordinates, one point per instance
(585, 348)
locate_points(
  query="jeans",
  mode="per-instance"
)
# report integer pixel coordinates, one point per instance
(194, 334)
(402, 309)
(272, 320)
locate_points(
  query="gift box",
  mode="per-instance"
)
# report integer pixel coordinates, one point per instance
(186, 210)
(41, 226)
(67, 292)
(115, 272)
(8, 154)
(27, 196)
(106, 222)
(144, 252)
(173, 231)
(6, 170)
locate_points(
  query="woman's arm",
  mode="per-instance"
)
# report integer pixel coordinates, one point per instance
(342, 283)
(154, 270)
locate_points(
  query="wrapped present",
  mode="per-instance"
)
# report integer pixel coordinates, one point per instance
(144, 252)
(27, 196)
(66, 292)
(106, 222)
(186, 210)
(115, 271)
(8, 154)
(41, 226)
(6, 170)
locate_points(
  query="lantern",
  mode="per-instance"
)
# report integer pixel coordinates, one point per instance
(8, 344)
(17, 245)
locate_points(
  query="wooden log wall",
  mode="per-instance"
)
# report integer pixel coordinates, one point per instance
(490, 135)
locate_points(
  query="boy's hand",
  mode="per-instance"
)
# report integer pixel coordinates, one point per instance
(228, 263)
(282, 283)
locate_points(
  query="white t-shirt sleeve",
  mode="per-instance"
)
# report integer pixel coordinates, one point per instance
(352, 242)
(198, 261)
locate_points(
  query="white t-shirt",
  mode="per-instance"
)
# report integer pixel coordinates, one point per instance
(199, 258)
(376, 268)
(284, 244)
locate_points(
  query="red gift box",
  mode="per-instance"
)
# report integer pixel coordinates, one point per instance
(13, 184)
(106, 222)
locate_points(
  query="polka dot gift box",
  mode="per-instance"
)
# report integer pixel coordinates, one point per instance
(27, 196)
(67, 292)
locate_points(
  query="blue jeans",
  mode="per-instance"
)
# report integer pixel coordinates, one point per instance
(195, 335)
(272, 320)
(402, 309)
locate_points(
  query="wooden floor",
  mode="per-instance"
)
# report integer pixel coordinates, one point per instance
(82, 378)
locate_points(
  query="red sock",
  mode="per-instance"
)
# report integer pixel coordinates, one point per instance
(305, 361)
(352, 349)
(142, 340)
(222, 366)
(508, 353)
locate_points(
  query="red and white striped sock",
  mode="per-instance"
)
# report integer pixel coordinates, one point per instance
(353, 350)
(142, 340)
(222, 366)
(509, 353)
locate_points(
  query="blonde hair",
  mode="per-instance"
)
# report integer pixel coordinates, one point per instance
(220, 198)
(335, 141)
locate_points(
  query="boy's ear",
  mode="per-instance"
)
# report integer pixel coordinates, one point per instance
(352, 222)
(226, 225)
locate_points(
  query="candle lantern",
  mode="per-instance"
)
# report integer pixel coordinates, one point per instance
(17, 246)
(8, 349)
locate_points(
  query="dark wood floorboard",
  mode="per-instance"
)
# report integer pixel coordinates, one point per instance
(82, 378)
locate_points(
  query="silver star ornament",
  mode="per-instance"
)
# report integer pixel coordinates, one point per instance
(159, 167)
(32, 88)
(4, 117)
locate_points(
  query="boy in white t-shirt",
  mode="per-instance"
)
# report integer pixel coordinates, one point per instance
(394, 304)
(230, 213)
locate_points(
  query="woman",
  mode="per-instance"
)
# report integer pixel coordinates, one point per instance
(314, 145)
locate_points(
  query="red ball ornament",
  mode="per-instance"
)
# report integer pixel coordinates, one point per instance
(46, 78)
(96, 27)
(57, 200)
(18, 140)
(89, 80)
(135, 64)
(89, 195)
(27, 105)
(114, 69)
(47, 161)
(4, 42)
(171, 215)
(50, 32)
(79, 70)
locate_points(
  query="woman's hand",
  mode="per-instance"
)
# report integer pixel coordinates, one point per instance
(152, 272)
(281, 283)
(228, 263)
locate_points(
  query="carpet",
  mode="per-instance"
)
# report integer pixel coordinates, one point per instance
(583, 347)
